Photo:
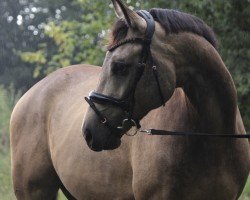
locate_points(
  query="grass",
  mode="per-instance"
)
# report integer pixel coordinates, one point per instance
(5, 110)
(6, 192)
(5, 181)
(246, 193)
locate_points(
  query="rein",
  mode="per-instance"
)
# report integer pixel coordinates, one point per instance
(127, 103)
(177, 133)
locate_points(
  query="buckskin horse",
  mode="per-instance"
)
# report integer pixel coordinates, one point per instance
(161, 57)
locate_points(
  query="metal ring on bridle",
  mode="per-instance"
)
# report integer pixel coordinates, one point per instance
(134, 126)
(131, 134)
(104, 121)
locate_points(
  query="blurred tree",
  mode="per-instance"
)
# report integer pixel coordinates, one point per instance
(22, 23)
(10, 40)
(75, 41)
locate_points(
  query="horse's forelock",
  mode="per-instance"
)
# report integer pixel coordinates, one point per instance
(119, 32)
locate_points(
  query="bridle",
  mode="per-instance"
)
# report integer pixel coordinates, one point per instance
(127, 103)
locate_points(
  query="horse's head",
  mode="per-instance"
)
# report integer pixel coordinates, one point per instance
(130, 86)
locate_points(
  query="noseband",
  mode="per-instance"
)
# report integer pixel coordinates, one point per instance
(127, 103)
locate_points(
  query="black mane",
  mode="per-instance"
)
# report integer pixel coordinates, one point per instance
(172, 21)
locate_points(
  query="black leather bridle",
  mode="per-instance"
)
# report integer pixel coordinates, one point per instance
(127, 103)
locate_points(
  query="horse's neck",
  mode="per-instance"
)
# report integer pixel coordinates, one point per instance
(207, 83)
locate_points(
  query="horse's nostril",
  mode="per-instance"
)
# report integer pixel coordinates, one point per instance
(88, 136)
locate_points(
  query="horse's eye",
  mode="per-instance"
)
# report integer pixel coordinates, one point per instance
(119, 68)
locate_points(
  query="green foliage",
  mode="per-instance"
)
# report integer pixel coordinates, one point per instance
(74, 41)
(7, 100)
(6, 191)
(22, 29)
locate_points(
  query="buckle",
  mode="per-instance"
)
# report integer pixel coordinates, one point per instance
(148, 132)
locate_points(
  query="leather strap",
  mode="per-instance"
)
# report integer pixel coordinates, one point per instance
(189, 134)
(103, 99)
(150, 25)
(129, 40)
(158, 84)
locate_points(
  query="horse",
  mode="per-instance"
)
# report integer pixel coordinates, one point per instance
(50, 122)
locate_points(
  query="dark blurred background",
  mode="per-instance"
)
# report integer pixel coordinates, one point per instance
(40, 36)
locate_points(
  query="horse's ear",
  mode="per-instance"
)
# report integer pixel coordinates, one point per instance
(132, 19)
